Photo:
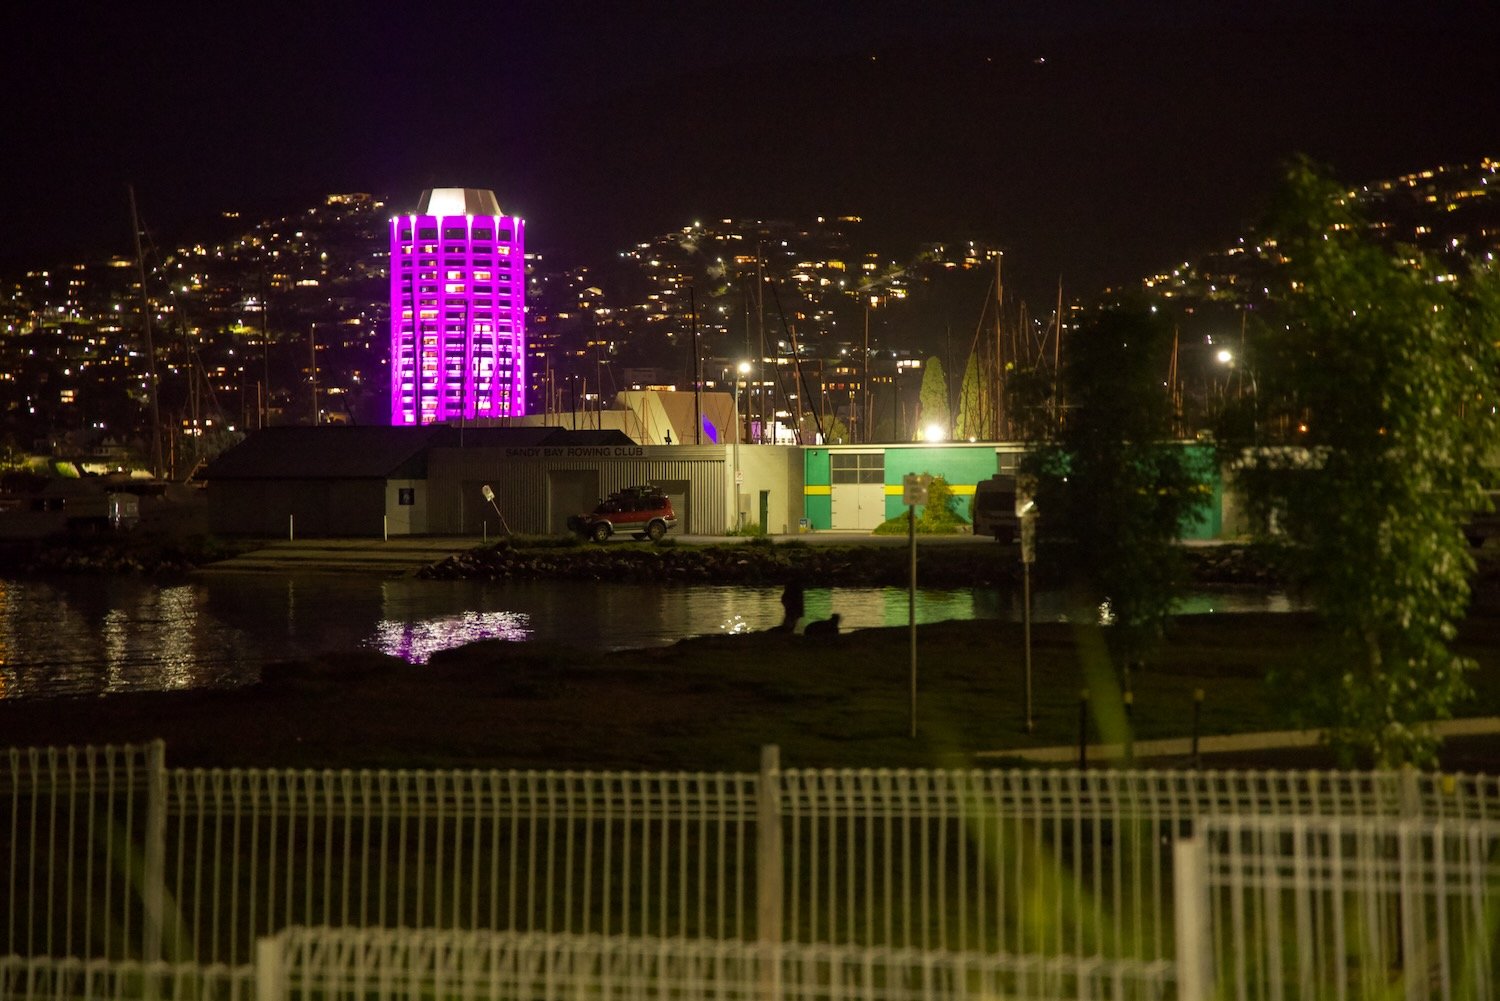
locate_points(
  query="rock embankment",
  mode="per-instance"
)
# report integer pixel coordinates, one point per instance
(753, 563)
(98, 558)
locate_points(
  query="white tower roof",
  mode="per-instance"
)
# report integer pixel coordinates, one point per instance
(458, 201)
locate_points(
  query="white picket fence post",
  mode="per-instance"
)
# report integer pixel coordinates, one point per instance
(769, 871)
(1192, 920)
(270, 968)
(154, 875)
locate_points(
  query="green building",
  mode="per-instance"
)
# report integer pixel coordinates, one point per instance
(853, 488)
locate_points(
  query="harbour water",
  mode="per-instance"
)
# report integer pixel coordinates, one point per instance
(92, 635)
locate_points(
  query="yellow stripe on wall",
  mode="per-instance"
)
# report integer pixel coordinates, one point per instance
(817, 490)
(959, 490)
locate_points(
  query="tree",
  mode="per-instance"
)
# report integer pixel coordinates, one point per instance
(933, 401)
(971, 421)
(1365, 448)
(1114, 492)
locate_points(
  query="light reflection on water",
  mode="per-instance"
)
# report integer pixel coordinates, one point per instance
(94, 635)
(418, 641)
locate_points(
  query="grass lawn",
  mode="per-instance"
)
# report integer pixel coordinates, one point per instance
(710, 703)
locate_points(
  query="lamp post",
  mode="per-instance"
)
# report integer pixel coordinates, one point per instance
(739, 514)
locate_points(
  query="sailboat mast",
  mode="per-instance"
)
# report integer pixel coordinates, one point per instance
(151, 393)
(999, 380)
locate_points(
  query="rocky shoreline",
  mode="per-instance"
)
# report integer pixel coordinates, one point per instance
(762, 562)
(756, 561)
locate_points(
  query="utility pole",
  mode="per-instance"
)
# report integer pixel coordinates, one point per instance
(864, 378)
(760, 362)
(697, 372)
(312, 367)
(265, 348)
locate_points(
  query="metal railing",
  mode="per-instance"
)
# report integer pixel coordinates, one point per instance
(82, 850)
(1275, 908)
(373, 965)
(109, 854)
(67, 979)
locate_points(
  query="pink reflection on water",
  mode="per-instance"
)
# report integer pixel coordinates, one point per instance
(415, 642)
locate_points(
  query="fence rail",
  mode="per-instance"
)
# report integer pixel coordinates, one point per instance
(1339, 908)
(329, 964)
(70, 979)
(110, 854)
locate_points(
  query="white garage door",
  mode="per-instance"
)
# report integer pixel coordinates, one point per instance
(857, 489)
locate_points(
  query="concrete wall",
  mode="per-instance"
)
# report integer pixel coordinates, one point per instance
(773, 470)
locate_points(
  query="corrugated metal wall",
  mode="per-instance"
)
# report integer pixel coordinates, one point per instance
(522, 492)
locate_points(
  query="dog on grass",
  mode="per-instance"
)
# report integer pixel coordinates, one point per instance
(823, 628)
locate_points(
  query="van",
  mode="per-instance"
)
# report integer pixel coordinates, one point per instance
(994, 508)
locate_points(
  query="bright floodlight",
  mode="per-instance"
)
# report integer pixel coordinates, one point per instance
(933, 432)
(744, 368)
(1224, 356)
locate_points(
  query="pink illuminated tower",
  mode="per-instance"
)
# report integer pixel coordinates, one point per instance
(458, 298)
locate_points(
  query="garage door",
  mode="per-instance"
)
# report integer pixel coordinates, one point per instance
(857, 490)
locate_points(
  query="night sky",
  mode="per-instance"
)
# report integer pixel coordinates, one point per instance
(1096, 142)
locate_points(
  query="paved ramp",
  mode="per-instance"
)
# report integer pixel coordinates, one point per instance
(395, 557)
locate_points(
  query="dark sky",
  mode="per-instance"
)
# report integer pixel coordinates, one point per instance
(1096, 141)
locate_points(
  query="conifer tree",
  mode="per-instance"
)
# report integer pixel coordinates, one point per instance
(933, 406)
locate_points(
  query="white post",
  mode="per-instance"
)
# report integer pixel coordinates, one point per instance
(291, 528)
(385, 528)
(1193, 920)
(911, 607)
(154, 876)
(769, 871)
(270, 971)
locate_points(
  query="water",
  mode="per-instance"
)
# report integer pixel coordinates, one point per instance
(90, 635)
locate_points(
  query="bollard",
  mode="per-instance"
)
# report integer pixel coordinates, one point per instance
(291, 528)
(385, 528)
(1083, 729)
(1197, 721)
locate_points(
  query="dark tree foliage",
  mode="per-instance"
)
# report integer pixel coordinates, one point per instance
(1362, 452)
(1114, 492)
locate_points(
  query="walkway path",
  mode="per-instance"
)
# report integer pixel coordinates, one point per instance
(1233, 743)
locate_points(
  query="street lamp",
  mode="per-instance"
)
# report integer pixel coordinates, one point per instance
(739, 514)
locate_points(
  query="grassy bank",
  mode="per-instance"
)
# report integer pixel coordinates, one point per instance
(711, 702)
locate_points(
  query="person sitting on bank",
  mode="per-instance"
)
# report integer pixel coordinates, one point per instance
(792, 603)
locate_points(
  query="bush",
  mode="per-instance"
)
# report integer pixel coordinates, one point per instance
(937, 517)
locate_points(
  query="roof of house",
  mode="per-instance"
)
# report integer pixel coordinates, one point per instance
(327, 452)
(341, 452)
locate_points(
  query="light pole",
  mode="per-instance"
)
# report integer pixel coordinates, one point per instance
(739, 514)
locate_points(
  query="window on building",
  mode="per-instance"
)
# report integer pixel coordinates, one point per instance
(856, 467)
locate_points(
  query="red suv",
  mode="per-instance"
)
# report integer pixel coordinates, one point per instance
(644, 512)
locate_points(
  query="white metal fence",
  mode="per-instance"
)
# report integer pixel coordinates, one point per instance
(82, 849)
(1296, 908)
(374, 965)
(110, 854)
(69, 979)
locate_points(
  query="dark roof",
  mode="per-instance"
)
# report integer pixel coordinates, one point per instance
(611, 436)
(328, 452)
(343, 452)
